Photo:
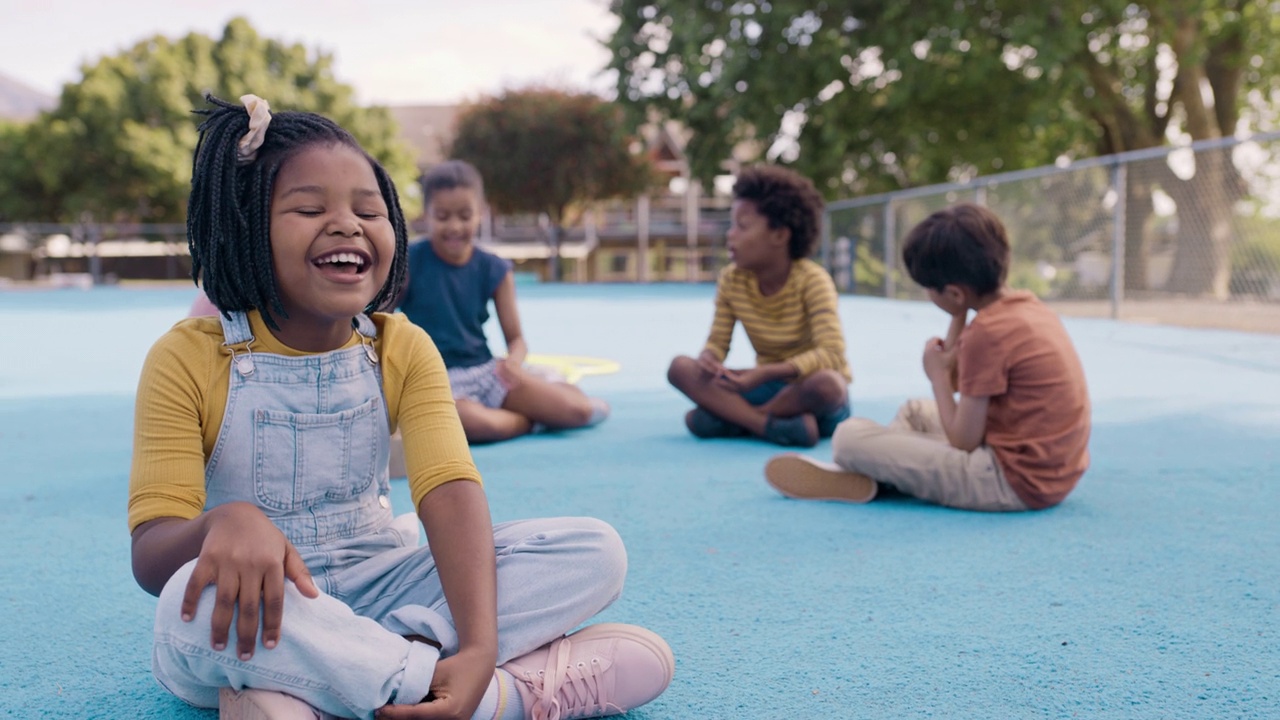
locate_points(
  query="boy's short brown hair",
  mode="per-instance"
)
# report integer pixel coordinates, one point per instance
(965, 244)
(786, 199)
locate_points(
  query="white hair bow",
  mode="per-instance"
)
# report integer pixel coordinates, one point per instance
(259, 118)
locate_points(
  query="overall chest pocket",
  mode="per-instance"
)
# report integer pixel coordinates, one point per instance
(304, 459)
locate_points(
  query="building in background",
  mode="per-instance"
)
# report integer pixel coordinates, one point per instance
(675, 233)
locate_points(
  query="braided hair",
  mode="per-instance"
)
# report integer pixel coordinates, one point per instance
(229, 208)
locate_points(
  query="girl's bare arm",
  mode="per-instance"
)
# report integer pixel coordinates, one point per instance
(460, 534)
(504, 301)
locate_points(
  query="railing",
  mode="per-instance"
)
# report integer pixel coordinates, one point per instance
(1194, 222)
(93, 253)
(646, 239)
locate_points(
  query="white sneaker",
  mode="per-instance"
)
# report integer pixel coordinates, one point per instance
(599, 412)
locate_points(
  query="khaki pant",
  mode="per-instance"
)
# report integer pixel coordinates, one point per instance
(913, 456)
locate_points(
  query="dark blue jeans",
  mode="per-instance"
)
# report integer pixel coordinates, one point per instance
(827, 423)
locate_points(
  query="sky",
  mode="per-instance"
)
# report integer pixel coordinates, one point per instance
(393, 52)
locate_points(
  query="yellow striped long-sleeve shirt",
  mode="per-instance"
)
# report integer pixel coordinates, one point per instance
(798, 324)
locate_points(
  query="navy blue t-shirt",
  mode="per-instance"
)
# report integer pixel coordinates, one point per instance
(452, 303)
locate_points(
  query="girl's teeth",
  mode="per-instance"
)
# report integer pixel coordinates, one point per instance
(344, 258)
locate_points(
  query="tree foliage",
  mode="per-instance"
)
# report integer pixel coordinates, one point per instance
(872, 96)
(118, 145)
(550, 151)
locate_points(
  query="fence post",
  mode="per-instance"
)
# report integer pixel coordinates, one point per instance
(642, 238)
(691, 220)
(486, 226)
(826, 240)
(93, 236)
(1119, 185)
(890, 248)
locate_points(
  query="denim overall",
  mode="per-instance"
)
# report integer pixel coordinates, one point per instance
(306, 440)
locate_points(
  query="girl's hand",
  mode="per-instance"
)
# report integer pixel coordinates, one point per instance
(456, 689)
(939, 361)
(247, 559)
(510, 373)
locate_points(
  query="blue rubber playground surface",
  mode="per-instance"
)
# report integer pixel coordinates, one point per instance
(1152, 592)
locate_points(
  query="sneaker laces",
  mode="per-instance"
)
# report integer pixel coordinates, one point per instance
(562, 687)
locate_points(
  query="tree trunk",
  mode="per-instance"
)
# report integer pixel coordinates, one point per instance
(1202, 261)
(1206, 202)
(1138, 209)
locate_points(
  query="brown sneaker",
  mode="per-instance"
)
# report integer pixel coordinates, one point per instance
(802, 477)
(253, 704)
(604, 669)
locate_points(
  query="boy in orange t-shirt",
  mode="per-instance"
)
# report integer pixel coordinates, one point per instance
(1017, 437)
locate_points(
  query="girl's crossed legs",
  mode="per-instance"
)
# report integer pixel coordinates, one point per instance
(345, 652)
(499, 404)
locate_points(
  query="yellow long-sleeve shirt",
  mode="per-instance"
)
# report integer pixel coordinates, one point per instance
(798, 324)
(182, 396)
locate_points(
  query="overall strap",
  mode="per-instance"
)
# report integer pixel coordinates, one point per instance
(368, 333)
(364, 325)
(235, 328)
(236, 331)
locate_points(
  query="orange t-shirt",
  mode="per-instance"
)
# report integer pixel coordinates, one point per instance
(1016, 352)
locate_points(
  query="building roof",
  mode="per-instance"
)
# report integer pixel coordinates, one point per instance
(428, 129)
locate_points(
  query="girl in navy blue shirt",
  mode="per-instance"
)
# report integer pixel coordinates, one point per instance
(451, 282)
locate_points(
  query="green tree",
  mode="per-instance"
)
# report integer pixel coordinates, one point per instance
(22, 193)
(872, 96)
(550, 151)
(118, 145)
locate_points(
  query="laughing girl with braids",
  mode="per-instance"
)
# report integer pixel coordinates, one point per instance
(259, 503)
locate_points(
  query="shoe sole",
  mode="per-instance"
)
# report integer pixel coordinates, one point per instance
(252, 704)
(647, 638)
(804, 478)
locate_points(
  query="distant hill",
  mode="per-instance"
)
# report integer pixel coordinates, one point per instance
(20, 102)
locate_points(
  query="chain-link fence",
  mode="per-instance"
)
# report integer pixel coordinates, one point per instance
(1197, 222)
(1194, 228)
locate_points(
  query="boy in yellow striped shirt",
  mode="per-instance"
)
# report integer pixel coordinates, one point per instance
(799, 389)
